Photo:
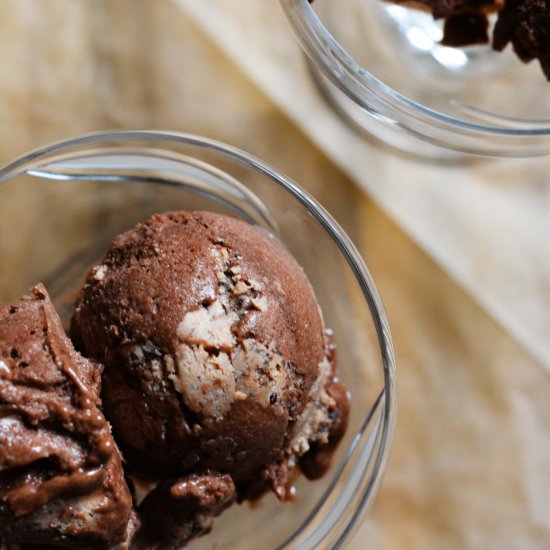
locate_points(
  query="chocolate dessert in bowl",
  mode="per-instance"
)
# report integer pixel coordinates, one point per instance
(438, 79)
(214, 341)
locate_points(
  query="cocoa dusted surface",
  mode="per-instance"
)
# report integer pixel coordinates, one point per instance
(61, 477)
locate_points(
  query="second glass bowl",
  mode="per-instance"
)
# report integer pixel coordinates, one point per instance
(382, 67)
(61, 206)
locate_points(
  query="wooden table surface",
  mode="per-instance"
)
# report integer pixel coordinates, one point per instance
(71, 67)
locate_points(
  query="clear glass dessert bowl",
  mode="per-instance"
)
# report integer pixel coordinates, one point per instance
(60, 206)
(382, 67)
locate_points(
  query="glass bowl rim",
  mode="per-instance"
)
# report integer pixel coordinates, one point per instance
(26, 162)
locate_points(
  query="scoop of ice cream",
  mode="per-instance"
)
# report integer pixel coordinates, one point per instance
(61, 478)
(215, 350)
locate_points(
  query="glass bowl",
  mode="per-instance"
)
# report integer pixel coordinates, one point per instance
(60, 207)
(381, 66)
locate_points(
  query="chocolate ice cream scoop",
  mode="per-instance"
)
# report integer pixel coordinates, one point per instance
(61, 478)
(215, 351)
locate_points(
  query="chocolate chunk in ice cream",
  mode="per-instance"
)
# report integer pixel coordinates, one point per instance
(217, 361)
(61, 477)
